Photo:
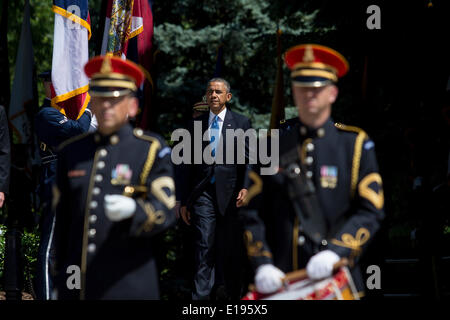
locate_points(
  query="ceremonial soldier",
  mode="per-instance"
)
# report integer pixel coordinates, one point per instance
(325, 202)
(116, 191)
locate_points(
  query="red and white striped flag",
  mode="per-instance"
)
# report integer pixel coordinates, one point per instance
(70, 54)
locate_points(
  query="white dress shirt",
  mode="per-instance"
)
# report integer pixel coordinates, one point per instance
(219, 120)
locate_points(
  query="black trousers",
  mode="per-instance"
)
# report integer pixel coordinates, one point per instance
(218, 247)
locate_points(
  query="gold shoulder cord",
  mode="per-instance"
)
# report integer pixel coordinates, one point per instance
(255, 189)
(255, 248)
(356, 153)
(150, 157)
(295, 244)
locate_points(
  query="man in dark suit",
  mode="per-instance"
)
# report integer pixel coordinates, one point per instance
(213, 192)
(116, 191)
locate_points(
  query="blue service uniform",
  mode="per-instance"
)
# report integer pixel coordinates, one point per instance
(340, 162)
(52, 128)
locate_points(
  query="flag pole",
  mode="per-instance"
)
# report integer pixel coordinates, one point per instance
(278, 92)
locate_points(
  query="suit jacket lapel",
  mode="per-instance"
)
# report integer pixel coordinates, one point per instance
(205, 121)
(228, 123)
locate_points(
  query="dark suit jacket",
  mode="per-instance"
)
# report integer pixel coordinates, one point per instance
(5, 152)
(230, 176)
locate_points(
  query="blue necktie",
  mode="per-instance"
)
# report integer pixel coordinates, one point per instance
(214, 132)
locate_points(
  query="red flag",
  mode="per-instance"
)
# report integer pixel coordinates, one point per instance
(128, 33)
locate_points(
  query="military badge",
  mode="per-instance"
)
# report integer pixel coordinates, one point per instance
(328, 176)
(121, 174)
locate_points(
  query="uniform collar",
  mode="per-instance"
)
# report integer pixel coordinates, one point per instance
(125, 131)
(308, 132)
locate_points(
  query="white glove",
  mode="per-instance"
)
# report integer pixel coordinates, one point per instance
(118, 207)
(268, 278)
(321, 264)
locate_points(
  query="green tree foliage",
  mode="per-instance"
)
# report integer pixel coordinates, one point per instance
(188, 35)
(42, 28)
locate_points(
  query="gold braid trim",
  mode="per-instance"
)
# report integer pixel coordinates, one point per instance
(150, 157)
(153, 217)
(356, 153)
(353, 243)
(255, 189)
(295, 244)
(304, 151)
(376, 198)
(157, 189)
(85, 238)
(254, 249)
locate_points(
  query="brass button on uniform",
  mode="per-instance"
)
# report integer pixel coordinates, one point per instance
(309, 147)
(93, 218)
(301, 240)
(93, 204)
(98, 178)
(309, 160)
(91, 248)
(103, 153)
(321, 132)
(96, 191)
(309, 174)
(92, 233)
(100, 164)
(114, 139)
(324, 242)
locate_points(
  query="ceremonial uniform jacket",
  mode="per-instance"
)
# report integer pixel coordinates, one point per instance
(286, 125)
(116, 259)
(53, 127)
(340, 161)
